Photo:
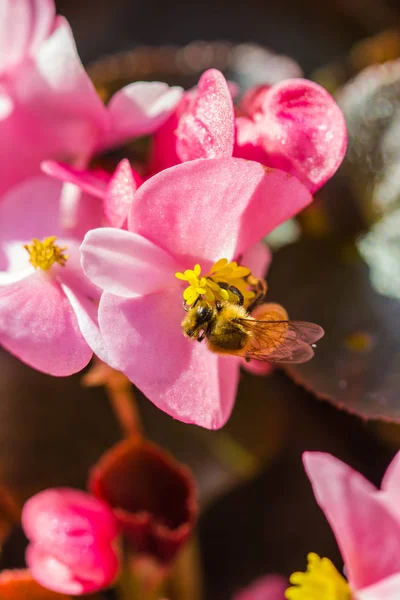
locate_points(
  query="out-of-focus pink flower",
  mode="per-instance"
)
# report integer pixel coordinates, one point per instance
(195, 213)
(73, 537)
(270, 587)
(293, 125)
(299, 128)
(49, 108)
(48, 308)
(366, 524)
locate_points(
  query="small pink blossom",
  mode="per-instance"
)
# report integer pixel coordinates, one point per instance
(49, 109)
(269, 587)
(299, 128)
(72, 537)
(365, 521)
(293, 125)
(197, 212)
(48, 313)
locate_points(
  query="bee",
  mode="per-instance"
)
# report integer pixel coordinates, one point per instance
(264, 335)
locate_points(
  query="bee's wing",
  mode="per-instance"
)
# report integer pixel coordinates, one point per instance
(281, 341)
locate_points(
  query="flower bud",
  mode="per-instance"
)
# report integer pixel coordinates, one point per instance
(153, 496)
(72, 541)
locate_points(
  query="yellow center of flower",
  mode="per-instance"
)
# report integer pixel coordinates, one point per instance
(321, 581)
(215, 285)
(43, 254)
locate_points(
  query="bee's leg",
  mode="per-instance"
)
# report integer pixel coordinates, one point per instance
(234, 290)
(185, 306)
(259, 297)
(237, 293)
(247, 359)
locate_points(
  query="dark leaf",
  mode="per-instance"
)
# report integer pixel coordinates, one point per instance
(357, 363)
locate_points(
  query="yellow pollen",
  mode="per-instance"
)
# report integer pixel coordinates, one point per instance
(208, 286)
(43, 254)
(321, 581)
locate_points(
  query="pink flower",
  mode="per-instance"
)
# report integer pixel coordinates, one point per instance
(72, 536)
(298, 127)
(294, 125)
(366, 523)
(48, 308)
(193, 214)
(269, 587)
(48, 105)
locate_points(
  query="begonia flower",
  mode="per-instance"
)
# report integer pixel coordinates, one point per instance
(153, 497)
(49, 109)
(73, 541)
(48, 308)
(299, 128)
(293, 125)
(195, 213)
(366, 524)
(269, 587)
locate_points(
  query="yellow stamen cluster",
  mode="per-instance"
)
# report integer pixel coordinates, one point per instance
(43, 254)
(208, 286)
(321, 581)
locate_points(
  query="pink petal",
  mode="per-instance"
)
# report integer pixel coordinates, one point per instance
(93, 182)
(126, 264)
(257, 258)
(120, 193)
(391, 479)
(366, 531)
(51, 514)
(207, 127)
(183, 378)
(24, 25)
(38, 325)
(163, 150)
(387, 589)
(139, 109)
(57, 113)
(67, 83)
(210, 209)
(303, 131)
(249, 142)
(270, 587)
(55, 575)
(86, 312)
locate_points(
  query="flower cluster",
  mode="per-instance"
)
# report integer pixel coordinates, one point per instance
(89, 256)
(104, 261)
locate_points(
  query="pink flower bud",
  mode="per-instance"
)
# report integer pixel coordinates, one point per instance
(72, 538)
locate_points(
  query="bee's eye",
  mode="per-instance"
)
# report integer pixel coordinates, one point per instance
(202, 314)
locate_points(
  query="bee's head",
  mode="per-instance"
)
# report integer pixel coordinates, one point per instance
(197, 319)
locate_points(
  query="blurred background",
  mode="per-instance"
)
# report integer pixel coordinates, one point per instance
(258, 512)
